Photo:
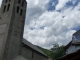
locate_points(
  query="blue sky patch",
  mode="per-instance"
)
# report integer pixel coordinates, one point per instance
(52, 4)
(42, 27)
(76, 28)
(72, 3)
(32, 28)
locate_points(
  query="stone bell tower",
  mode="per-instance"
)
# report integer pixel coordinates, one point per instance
(12, 21)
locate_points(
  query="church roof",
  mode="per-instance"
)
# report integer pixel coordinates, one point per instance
(33, 47)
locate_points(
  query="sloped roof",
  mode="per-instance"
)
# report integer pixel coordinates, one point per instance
(72, 43)
(33, 47)
(78, 32)
(68, 45)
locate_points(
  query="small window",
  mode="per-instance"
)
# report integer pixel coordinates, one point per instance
(18, 9)
(8, 7)
(21, 12)
(19, 1)
(22, 3)
(32, 54)
(6, 1)
(4, 8)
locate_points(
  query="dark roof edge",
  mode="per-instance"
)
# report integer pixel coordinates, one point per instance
(27, 43)
(35, 50)
(68, 45)
(69, 54)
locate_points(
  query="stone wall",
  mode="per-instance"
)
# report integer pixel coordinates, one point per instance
(11, 28)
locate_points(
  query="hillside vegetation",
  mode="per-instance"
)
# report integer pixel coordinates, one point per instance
(46, 51)
(54, 53)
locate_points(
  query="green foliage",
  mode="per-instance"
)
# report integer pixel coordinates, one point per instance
(46, 51)
(58, 51)
(55, 52)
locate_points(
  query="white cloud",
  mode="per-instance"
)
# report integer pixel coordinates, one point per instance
(50, 27)
(40, 3)
(0, 2)
(35, 9)
(55, 27)
(61, 4)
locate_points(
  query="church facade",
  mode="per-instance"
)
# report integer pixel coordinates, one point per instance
(12, 19)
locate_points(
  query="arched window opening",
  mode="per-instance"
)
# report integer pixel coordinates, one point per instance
(22, 3)
(32, 54)
(21, 12)
(18, 9)
(19, 1)
(8, 7)
(4, 8)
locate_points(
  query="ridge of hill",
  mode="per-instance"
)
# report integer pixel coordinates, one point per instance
(46, 51)
(54, 53)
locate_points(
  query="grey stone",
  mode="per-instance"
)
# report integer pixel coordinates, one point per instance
(20, 58)
(12, 19)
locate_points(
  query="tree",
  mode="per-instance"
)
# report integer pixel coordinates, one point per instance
(58, 51)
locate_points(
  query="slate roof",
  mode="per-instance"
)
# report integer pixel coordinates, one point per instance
(72, 43)
(68, 45)
(78, 32)
(33, 47)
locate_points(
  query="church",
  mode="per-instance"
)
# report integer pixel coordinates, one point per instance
(12, 44)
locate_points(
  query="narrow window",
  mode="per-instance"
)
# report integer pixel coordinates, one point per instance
(19, 1)
(22, 3)
(18, 9)
(21, 12)
(8, 7)
(32, 54)
(4, 8)
(6, 1)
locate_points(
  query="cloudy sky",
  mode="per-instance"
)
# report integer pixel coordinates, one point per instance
(51, 21)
